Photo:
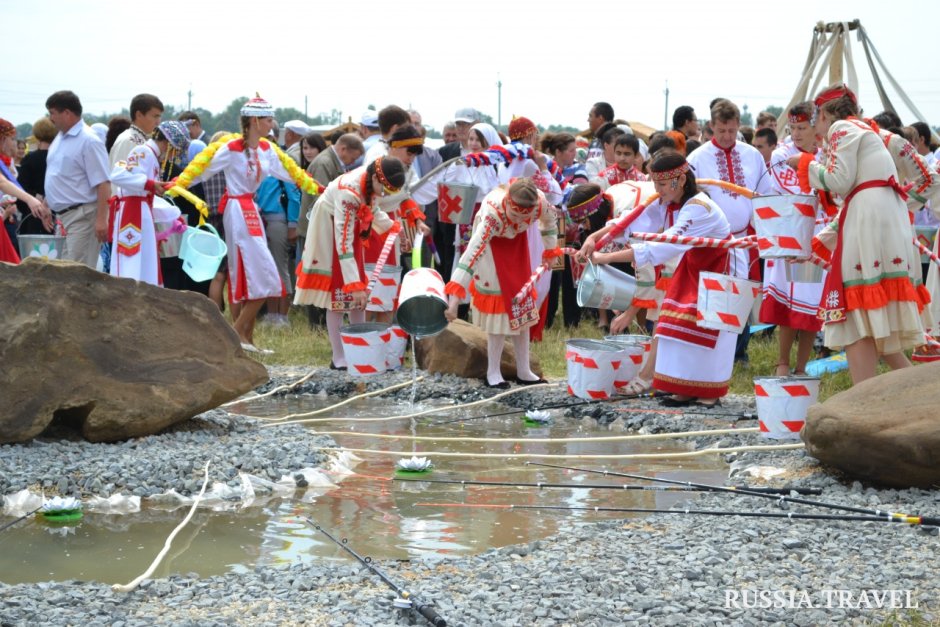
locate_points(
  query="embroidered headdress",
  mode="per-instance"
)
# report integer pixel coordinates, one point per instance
(257, 107)
(176, 133)
(520, 127)
(670, 174)
(6, 129)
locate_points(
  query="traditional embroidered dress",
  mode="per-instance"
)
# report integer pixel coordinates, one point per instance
(871, 290)
(332, 264)
(253, 274)
(690, 360)
(789, 304)
(741, 165)
(133, 236)
(8, 252)
(614, 175)
(503, 238)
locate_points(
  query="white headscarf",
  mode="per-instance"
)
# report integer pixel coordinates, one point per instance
(489, 134)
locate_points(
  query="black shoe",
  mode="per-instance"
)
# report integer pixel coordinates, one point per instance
(524, 382)
(335, 367)
(502, 385)
(672, 401)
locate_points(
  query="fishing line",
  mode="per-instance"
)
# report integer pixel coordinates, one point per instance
(434, 410)
(789, 499)
(688, 454)
(911, 520)
(601, 486)
(405, 600)
(600, 438)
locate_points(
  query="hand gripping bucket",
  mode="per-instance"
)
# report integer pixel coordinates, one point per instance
(365, 347)
(604, 287)
(201, 252)
(926, 236)
(592, 367)
(634, 354)
(397, 343)
(804, 272)
(421, 303)
(725, 302)
(785, 225)
(455, 202)
(384, 294)
(168, 226)
(782, 403)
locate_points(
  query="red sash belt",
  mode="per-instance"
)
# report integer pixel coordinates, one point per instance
(833, 307)
(249, 211)
(129, 230)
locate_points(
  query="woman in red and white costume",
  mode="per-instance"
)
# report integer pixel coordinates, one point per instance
(495, 266)
(133, 236)
(871, 302)
(331, 274)
(692, 364)
(247, 161)
(793, 307)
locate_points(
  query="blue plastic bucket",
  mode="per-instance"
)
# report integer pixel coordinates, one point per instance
(201, 252)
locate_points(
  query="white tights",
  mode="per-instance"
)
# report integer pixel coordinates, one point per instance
(334, 321)
(494, 353)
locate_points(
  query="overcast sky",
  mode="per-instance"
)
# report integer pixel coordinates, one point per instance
(554, 58)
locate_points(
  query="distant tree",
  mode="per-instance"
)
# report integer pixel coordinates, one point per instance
(746, 118)
(24, 130)
(560, 128)
(777, 111)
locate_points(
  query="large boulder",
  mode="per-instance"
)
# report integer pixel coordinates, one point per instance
(116, 357)
(460, 349)
(885, 430)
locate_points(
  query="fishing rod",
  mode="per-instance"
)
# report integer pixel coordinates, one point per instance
(405, 599)
(600, 486)
(920, 520)
(911, 520)
(23, 517)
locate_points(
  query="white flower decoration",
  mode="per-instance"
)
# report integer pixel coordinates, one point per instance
(45, 250)
(61, 504)
(538, 415)
(414, 464)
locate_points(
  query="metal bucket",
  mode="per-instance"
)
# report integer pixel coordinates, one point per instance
(455, 202)
(804, 272)
(365, 347)
(384, 295)
(785, 225)
(725, 302)
(45, 246)
(604, 287)
(201, 252)
(926, 235)
(421, 303)
(646, 341)
(593, 367)
(782, 403)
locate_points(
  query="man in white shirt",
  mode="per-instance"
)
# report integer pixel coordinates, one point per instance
(77, 183)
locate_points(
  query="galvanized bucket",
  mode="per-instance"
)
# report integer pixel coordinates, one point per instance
(455, 202)
(604, 287)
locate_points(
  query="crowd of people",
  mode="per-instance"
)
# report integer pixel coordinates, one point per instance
(302, 215)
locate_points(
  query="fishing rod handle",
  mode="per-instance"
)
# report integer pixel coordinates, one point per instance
(784, 490)
(433, 617)
(930, 521)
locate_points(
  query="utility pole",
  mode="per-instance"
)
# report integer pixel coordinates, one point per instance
(499, 101)
(305, 107)
(189, 98)
(666, 112)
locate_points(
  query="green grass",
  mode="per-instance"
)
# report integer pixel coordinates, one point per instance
(299, 345)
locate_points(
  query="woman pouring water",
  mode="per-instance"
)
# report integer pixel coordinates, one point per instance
(691, 363)
(495, 266)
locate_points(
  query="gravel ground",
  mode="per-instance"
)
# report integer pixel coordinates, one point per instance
(665, 569)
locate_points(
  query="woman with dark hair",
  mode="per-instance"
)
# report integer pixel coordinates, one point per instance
(872, 298)
(693, 364)
(116, 125)
(311, 145)
(331, 274)
(495, 266)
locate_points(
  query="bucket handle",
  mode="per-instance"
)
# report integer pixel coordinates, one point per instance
(208, 226)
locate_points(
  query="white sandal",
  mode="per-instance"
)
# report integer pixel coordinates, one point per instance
(637, 385)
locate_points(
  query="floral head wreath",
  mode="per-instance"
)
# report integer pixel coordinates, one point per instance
(670, 174)
(389, 188)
